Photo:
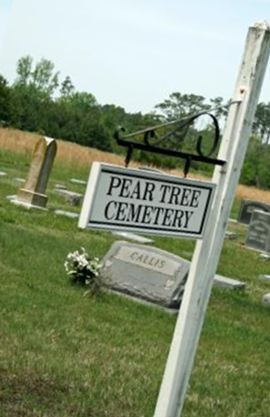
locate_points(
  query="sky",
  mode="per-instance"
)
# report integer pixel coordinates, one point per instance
(134, 53)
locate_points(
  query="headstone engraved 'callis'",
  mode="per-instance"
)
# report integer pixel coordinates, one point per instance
(33, 192)
(151, 274)
(145, 272)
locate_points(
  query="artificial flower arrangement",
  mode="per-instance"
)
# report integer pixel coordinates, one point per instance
(83, 270)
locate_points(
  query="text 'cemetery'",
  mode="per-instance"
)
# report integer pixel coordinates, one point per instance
(134, 199)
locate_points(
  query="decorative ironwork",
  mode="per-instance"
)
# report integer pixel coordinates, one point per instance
(167, 139)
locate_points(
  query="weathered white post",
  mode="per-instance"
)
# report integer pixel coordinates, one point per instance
(205, 259)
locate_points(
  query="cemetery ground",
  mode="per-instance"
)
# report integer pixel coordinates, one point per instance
(64, 353)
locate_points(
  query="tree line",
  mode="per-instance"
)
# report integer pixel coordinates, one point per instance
(40, 101)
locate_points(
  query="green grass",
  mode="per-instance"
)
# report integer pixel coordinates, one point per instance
(65, 354)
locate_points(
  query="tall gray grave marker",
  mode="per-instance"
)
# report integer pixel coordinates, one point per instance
(33, 192)
(258, 236)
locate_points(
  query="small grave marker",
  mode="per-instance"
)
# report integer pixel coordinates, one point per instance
(266, 299)
(77, 181)
(19, 180)
(258, 236)
(58, 187)
(70, 196)
(264, 257)
(65, 213)
(264, 277)
(231, 235)
(230, 283)
(134, 237)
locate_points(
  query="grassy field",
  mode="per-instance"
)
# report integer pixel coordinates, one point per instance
(64, 354)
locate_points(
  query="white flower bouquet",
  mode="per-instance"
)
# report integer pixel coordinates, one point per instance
(84, 270)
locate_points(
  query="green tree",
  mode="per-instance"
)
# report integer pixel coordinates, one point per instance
(255, 170)
(24, 70)
(44, 78)
(31, 94)
(4, 101)
(180, 105)
(218, 107)
(67, 87)
(40, 77)
(114, 117)
(28, 108)
(79, 119)
(261, 125)
(256, 166)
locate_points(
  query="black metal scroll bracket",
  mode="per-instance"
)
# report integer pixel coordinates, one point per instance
(171, 135)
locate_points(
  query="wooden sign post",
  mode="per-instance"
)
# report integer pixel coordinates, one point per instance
(206, 256)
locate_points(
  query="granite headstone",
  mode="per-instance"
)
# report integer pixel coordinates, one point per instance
(258, 236)
(152, 274)
(247, 208)
(145, 272)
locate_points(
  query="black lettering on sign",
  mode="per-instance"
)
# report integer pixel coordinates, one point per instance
(130, 188)
(164, 190)
(121, 211)
(109, 211)
(136, 192)
(195, 197)
(134, 212)
(115, 183)
(179, 196)
(167, 217)
(185, 199)
(147, 212)
(157, 216)
(148, 191)
(175, 192)
(125, 187)
(159, 211)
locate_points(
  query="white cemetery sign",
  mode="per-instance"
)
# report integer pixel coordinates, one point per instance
(205, 259)
(118, 198)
